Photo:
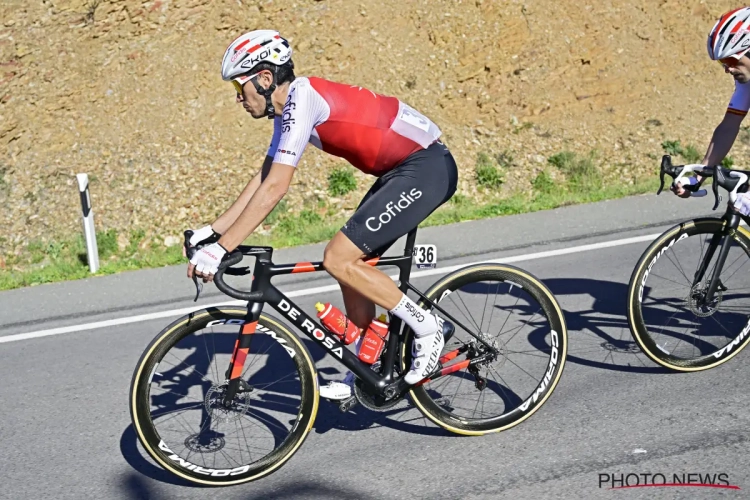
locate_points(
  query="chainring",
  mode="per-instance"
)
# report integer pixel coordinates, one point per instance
(374, 403)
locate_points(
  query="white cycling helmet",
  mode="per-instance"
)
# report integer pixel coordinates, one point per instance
(730, 36)
(249, 50)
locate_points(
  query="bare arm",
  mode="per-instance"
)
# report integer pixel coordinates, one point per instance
(225, 220)
(721, 142)
(723, 139)
(263, 199)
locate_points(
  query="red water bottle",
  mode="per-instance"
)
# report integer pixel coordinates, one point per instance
(373, 341)
(337, 323)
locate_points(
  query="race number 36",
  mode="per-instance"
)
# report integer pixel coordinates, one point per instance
(425, 256)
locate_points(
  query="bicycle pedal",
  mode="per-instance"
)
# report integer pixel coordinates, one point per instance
(347, 404)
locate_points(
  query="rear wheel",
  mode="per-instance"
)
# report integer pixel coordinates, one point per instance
(517, 315)
(178, 387)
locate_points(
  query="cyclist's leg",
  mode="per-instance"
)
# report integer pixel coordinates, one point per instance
(409, 194)
(406, 196)
(361, 311)
(359, 308)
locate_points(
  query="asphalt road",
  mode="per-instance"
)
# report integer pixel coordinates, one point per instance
(66, 431)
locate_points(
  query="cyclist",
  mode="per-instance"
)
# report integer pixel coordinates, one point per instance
(377, 134)
(728, 44)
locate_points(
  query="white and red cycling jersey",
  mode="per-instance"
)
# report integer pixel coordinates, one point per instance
(739, 104)
(373, 132)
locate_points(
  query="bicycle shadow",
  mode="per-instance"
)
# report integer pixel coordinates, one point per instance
(599, 332)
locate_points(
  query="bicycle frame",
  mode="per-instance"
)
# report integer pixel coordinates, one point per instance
(732, 220)
(263, 292)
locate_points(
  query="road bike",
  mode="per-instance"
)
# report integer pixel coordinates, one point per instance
(226, 395)
(689, 294)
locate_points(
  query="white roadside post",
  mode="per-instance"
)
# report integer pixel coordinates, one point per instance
(88, 222)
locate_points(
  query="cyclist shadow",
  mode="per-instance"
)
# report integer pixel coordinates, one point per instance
(599, 334)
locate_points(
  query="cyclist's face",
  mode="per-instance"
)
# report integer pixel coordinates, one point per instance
(254, 103)
(739, 69)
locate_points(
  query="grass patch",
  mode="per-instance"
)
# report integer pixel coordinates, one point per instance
(689, 153)
(543, 183)
(518, 204)
(277, 213)
(727, 162)
(341, 181)
(65, 260)
(581, 172)
(487, 173)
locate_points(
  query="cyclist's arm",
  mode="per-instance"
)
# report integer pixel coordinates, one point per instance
(302, 111)
(263, 200)
(225, 220)
(723, 138)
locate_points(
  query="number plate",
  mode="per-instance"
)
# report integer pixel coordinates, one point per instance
(425, 256)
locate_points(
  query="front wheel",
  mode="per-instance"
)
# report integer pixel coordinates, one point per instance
(671, 318)
(480, 392)
(177, 398)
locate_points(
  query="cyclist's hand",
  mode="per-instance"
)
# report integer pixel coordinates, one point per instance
(677, 189)
(198, 236)
(206, 262)
(680, 191)
(742, 205)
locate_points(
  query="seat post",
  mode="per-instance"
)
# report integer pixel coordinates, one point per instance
(411, 237)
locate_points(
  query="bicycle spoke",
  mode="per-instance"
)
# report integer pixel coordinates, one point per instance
(679, 268)
(208, 356)
(494, 302)
(469, 317)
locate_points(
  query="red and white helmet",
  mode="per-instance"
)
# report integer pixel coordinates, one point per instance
(730, 36)
(249, 50)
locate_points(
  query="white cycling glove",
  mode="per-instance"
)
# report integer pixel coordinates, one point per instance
(207, 259)
(201, 234)
(742, 203)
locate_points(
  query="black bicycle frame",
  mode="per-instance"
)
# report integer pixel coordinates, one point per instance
(732, 223)
(262, 291)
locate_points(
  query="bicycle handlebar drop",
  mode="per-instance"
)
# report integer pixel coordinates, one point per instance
(230, 259)
(731, 180)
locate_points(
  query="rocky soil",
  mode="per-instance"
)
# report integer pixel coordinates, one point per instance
(131, 93)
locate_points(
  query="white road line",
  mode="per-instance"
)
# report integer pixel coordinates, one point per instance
(321, 289)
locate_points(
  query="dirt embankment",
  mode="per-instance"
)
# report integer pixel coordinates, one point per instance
(130, 92)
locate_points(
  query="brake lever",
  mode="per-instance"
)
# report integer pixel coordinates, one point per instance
(189, 252)
(666, 162)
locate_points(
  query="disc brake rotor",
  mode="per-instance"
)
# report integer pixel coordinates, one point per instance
(696, 301)
(214, 402)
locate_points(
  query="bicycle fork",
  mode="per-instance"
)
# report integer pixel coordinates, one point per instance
(239, 355)
(733, 221)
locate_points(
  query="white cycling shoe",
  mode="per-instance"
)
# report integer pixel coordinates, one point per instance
(337, 391)
(425, 352)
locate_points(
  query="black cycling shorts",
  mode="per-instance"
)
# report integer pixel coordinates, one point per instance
(402, 198)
